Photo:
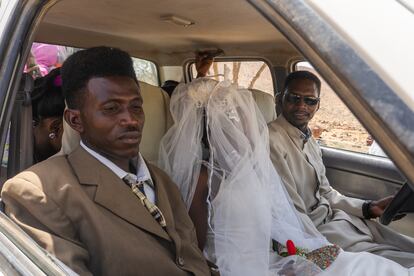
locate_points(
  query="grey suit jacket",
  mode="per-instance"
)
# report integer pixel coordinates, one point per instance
(80, 211)
(303, 173)
(336, 216)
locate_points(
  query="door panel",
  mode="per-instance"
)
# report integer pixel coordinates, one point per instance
(367, 177)
(361, 175)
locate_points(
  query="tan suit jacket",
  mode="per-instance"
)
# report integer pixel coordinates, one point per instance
(80, 211)
(337, 217)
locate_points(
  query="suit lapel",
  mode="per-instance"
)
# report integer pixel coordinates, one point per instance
(112, 193)
(164, 204)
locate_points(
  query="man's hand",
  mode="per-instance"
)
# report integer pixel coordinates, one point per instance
(377, 207)
(32, 67)
(370, 140)
(203, 63)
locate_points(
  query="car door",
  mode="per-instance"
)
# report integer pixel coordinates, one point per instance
(16, 24)
(365, 176)
(19, 254)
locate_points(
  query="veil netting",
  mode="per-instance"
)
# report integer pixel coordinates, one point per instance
(250, 207)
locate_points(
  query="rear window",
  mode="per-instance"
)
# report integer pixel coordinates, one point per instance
(146, 71)
(45, 57)
(247, 74)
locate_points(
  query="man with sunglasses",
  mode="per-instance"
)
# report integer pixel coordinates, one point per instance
(297, 157)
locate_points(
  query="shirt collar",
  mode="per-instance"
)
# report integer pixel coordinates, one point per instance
(142, 169)
(299, 138)
(306, 135)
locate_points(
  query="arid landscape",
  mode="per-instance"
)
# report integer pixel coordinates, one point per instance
(338, 126)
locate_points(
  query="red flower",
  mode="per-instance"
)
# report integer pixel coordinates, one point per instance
(290, 247)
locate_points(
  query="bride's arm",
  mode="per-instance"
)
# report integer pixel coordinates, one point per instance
(199, 210)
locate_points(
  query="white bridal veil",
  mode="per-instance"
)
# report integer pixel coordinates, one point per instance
(248, 203)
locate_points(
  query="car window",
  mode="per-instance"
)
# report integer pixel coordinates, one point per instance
(146, 71)
(247, 74)
(44, 57)
(341, 132)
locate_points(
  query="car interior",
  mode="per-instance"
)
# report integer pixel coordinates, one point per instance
(168, 33)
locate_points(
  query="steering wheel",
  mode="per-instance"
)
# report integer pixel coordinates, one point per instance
(403, 202)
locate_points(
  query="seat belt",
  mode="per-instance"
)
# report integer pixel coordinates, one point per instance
(21, 129)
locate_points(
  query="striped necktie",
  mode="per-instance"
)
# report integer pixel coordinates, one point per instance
(138, 189)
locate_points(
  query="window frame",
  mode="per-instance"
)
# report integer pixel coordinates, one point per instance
(157, 70)
(353, 78)
(188, 76)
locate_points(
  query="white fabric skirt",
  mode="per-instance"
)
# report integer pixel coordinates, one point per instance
(358, 264)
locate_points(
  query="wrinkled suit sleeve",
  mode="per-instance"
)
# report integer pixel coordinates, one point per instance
(337, 200)
(277, 155)
(40, 217)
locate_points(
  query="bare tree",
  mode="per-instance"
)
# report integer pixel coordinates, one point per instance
(236, 70)
(259, 72)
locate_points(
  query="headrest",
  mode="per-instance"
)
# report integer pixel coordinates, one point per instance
(266, 104)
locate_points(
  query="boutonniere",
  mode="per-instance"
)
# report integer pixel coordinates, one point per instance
(322, 257)
(290, 249)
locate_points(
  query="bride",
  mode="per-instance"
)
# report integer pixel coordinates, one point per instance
(217, 153)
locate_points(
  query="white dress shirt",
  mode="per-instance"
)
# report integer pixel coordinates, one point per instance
(142, 170)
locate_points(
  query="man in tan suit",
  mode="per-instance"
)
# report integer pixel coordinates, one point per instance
(80, 208)
(297, 157)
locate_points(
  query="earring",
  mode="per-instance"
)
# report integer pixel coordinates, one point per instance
(52, 135)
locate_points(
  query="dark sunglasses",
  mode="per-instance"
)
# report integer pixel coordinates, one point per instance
(295, 99)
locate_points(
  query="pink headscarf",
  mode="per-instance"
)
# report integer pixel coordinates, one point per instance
(46, 56)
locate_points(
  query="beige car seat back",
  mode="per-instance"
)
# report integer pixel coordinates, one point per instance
(266, 104)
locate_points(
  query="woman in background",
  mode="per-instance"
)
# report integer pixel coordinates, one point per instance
(47, 108)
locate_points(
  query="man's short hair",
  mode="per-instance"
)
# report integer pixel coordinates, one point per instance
(299, 75)
(95, 62)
